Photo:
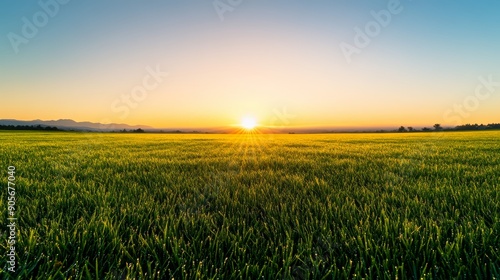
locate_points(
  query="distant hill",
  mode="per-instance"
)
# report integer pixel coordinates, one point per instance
(66, 124)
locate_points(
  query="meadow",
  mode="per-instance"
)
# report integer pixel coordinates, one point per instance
(253, 206)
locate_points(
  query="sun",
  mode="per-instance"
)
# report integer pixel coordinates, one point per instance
(248, 123)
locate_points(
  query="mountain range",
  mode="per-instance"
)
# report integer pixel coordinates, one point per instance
(67, 124)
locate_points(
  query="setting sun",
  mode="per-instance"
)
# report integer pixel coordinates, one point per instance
(248, 123)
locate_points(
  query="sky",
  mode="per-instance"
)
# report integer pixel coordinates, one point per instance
(290, 63)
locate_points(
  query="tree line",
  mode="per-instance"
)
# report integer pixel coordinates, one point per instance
(438, 127)
(54, 128)
(29, 127)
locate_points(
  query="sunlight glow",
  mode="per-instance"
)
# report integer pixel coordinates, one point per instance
(248, 123)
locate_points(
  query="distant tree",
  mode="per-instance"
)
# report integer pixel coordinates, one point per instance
(410, 129)
(493, 125)
(29, 127)
(426, 129)
(139, 130)
(437, 127)
(402, 129)
(477, 127)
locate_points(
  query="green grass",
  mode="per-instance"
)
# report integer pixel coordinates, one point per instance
(150, 206)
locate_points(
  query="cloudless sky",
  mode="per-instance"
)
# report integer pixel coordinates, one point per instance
(280, 61)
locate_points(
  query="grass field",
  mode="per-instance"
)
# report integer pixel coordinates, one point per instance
(160, 206)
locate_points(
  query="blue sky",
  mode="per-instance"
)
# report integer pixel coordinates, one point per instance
(261, 58)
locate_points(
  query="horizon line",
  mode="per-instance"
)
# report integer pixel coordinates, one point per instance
(236, 126)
